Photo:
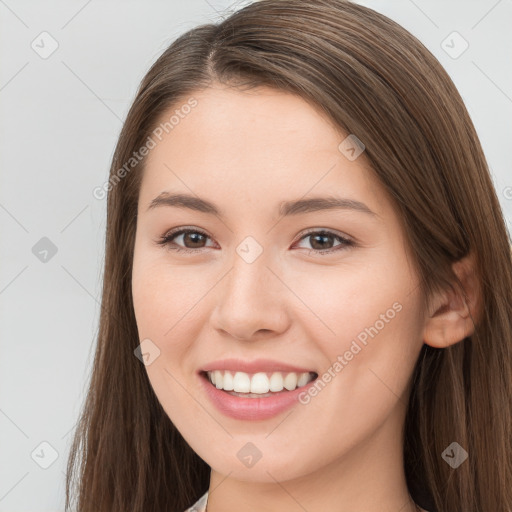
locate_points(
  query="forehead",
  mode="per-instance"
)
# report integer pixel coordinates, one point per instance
(257, 146)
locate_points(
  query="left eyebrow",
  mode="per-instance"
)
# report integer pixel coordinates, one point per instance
(286, 208)
(314, 204)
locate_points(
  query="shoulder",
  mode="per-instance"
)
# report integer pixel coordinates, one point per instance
(200, 504)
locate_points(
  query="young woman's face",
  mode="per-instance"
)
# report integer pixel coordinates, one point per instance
(264, 286)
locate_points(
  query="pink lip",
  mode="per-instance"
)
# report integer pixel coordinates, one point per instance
(251, 409)
(257, 365)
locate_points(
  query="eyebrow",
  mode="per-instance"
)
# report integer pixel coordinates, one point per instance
(286, 208)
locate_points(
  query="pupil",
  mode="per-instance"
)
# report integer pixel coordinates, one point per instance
(194, 235)
(315, 237)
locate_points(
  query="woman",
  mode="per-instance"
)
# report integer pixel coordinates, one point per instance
(308, 290)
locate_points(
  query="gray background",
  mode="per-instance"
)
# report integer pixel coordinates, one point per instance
(60, 119)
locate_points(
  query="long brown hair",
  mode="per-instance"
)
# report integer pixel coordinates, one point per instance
(375, 80)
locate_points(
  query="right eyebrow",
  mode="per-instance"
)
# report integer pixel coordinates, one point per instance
(184, 201)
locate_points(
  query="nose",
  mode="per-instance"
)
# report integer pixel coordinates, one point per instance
(251, 301)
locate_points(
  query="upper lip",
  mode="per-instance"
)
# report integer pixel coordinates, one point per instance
(253, 366)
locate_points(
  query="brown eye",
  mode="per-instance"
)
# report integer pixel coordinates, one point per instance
(322, 242)
(193, 240)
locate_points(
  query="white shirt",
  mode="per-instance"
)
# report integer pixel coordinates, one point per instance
(200, 504)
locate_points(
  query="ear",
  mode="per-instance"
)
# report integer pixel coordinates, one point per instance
(454, 313)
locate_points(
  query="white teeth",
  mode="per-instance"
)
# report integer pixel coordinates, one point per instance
(228, 382)
(259, 383)
(276, 382)
(241, 382)
(218, 378)
(302, 380)
(290, 381)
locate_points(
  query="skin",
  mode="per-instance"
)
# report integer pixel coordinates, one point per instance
(246, 152)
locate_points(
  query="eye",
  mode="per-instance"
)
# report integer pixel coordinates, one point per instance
(194, 237)
(321, 241)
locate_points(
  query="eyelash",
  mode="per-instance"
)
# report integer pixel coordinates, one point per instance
(166, 241)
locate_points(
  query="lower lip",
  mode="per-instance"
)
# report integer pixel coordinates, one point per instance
(251, 408)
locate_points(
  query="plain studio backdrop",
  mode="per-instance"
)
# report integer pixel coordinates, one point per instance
(69, 73)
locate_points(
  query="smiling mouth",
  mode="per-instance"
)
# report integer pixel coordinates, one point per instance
(258, 385)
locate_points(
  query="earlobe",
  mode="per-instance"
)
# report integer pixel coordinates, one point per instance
(454, 313)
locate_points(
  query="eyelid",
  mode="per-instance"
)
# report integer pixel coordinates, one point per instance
(329, 231)
(181, 229)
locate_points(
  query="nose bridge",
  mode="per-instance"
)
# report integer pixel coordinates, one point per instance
(249, 274)
(248, 283)
(249, 299)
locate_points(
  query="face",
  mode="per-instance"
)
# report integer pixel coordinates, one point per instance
(266, 289)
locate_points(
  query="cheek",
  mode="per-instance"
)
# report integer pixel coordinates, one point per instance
(166, 321)
(368, 327)
(369, 360)
(355, 301)
(167, 303)
(164, 297)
